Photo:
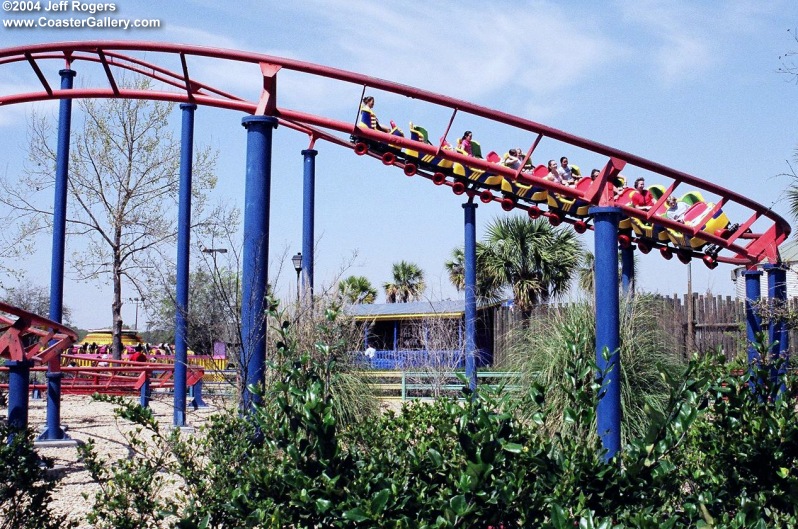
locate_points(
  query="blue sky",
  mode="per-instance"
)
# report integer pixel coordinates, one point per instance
(690, 85)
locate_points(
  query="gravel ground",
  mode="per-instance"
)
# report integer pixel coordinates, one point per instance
(86, 419)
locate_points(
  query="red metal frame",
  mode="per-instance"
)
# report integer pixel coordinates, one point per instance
(745, 248)
(26, 336)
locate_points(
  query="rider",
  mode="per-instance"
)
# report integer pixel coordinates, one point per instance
(676, 210)
(642, 198)
(366, 111)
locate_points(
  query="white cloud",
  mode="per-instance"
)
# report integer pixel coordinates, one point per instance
(686, 39)
(468, 52)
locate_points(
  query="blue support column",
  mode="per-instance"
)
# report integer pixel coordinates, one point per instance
(608, 327)
(256, 254)
(777, 331)
(628, 272)
(470, 288)
(183, 268)
(18, 382)
(53, 430)
(308, 212)
(753, 323)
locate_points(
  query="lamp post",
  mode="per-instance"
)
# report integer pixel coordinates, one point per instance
(137, 301)
(212, 252)
(297, 260)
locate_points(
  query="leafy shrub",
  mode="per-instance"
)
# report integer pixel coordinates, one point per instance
(26, 486)
(720, 451)
(568, 334)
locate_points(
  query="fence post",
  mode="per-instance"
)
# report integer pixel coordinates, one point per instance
(404, 386)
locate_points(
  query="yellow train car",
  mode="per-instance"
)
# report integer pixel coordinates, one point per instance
(698, 214)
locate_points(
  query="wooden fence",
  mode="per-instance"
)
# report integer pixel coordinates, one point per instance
(717, 323)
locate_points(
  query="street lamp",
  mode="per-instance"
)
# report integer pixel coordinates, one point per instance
(137, 301)
(297, 260)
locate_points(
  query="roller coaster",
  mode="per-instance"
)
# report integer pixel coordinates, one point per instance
(718, 226)
(46, 345)
(706, 232)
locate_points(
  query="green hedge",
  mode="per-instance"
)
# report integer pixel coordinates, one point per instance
(721, 453)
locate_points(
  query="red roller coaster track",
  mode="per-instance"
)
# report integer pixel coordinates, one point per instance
(754, 237)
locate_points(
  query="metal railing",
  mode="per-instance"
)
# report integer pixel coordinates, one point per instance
(410, 385)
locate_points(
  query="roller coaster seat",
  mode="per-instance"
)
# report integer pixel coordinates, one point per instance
(692, 198)
(697, 215)
(656, 190)
(419, 133)
(476, 149)
(367, 119)
(531, 193)
(649, 230)
(624, 198)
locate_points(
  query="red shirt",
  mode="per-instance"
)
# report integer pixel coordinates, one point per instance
(642, 198)
(138, 356)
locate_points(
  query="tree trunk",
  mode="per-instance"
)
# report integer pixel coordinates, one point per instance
(116, 306)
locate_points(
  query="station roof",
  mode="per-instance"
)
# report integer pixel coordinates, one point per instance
(411, 310)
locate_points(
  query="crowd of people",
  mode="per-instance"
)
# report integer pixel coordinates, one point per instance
(141, 352)
(563, 173)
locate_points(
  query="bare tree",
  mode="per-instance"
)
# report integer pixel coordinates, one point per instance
(123, 186)
(442, 352)
(33, 298)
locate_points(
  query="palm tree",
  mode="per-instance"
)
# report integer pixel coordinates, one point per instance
(408, 283)
(357, 289)
(534, 259)
(487, 289)
(586, 271)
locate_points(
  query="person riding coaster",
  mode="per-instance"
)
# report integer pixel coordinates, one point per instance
(699, 215)
(367, 120)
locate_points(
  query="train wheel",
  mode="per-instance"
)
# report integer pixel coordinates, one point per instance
(684, 256)
(624, 241)
(643, 246)
(555, 219)
(361, 148)
(580, 226)
(508, 204)
(410, 169)
(458, 188)
(533, 212)
(710, 261)
(388, 158)
(666, 252)
(438, 178)
(486, 196)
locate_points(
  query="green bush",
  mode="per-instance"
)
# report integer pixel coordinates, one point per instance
(714, 453)
(544, 348)
(26, 485)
